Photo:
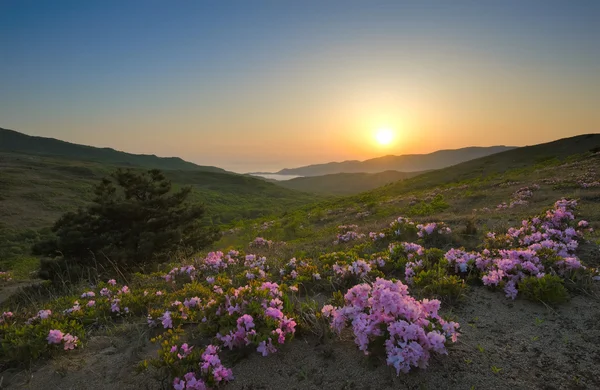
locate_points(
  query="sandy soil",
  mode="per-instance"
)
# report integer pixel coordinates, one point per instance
(529, 345)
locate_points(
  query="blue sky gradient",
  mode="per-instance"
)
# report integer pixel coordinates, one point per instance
(262, 85)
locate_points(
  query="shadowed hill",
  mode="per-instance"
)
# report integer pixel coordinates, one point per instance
(36, 190)
(344, 183)
(524, 157)
(13, 141)
(404, 163)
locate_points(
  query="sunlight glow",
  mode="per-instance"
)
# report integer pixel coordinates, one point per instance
(384, 136)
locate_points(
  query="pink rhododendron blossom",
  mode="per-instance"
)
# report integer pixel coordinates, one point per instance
(386, 309)
(166, 320)
(55, 336)
(70, 341)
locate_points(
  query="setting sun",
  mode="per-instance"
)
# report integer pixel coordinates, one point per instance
(384, 136)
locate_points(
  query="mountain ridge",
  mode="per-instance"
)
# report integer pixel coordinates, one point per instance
(13, 141)
(401, 163)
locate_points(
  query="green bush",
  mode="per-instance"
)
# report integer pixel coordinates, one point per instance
(436, 283)
(436, 205)
(549, 289)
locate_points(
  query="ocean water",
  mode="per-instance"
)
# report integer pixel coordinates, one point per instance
(275, 176)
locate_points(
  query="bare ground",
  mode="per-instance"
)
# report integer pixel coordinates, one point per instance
(504, 344)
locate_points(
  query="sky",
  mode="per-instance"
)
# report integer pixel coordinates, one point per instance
(264, 85)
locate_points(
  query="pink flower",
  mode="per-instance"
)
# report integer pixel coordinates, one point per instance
(55, 336)
(70, 341)
(266, 348)
(327, 311)
(178, 384)
(91, 303)
(112, 282)
(89, 294)
(274, 313)
(167, 322)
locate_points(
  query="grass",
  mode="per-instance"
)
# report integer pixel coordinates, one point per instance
(37, 190)
(344, 183)
(22, 268)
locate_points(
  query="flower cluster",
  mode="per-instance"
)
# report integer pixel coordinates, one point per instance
(55, 336)
(211, 368)
(358, 268)
(538, 247)
(376, 236)
(412, 329)
(300, 271)
(400, 225)
(261, 242)
(431, 228)
(187, 270)
(264, 326)
(217, 261)
(348, 236)
(41, 315)
(5, 316)
(519, 197)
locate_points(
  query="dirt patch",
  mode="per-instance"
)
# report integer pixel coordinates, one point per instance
(105, 362)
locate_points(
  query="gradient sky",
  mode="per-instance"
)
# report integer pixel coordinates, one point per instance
(263, 85)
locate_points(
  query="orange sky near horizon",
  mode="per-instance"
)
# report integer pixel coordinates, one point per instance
(250, 88)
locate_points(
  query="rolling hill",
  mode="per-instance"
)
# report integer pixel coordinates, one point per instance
(463, 195)
(38, 185)
(404, 163)
(344, 183)
(14, 142)
(526, 157)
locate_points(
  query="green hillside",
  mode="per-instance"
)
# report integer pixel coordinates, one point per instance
(468, 193)
(344, 183)
(35, 190)
(520, 158)
(14, 142)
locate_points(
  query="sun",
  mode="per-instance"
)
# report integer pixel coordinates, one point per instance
(384, 136)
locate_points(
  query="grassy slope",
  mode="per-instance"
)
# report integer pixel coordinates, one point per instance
(344, 183)
(36, 190)
(15, 142)
(470, 186)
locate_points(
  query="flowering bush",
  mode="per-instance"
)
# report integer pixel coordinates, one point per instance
(347, 233)
(542, 245)
(261, 242)
(434, 233)
(519, 197)
(188, 366)
(412, 329)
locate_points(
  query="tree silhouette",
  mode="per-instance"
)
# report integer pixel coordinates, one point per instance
(135, 219)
